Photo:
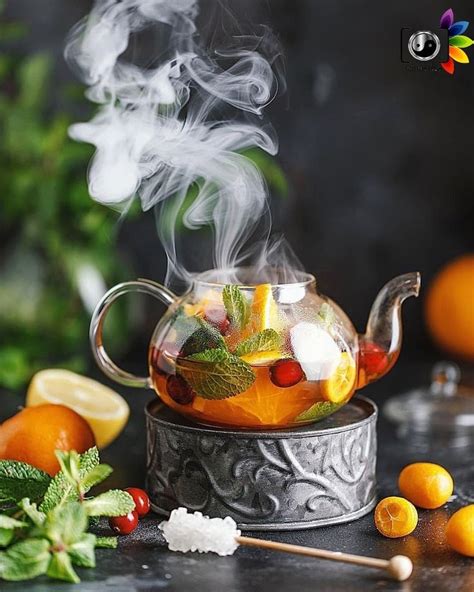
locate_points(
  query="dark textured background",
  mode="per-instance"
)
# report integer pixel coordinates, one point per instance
(379, 159)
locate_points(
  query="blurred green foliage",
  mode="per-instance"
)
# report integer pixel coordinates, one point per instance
(49, 226)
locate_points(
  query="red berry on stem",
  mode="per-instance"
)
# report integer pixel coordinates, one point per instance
(141, 499)
(286, 373)
(124, 524)
(179, 390)
(372, 358)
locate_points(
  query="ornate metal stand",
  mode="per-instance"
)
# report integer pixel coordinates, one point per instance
(275, 480)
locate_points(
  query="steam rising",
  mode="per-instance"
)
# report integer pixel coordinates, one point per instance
(160, 130)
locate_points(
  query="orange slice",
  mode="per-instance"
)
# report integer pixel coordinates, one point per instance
(262, 358)
(338, 386)
(264, 310)
(395, 517)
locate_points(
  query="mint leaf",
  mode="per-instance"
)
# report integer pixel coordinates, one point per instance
(7, 529)
(265, 340)
(218, 375)
(198, 335)
(69, 463)
(236, 306)
(318, 411)
(38, 518)
(111, 503)
(103, 542)
(6, 536)
(61, 490)
(25, 560)
(60, 568)
(9, 522)
(326, 315)
(82, 553)
(89, 459)
(66, 523)
(95, 476)
(19, 479)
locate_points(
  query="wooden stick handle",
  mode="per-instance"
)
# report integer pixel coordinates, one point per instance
(399, 567)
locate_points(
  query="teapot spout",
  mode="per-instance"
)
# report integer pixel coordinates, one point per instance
(380, 346)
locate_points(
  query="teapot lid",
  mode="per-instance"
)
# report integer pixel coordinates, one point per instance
(438, 415)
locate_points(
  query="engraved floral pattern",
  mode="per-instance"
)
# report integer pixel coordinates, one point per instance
(263, 480)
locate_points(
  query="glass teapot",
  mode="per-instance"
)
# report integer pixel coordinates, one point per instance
(259, 356)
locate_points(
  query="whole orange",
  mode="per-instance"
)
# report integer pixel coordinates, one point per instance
(460, 531)
(449, 307)
(33, 434)
(426, 485)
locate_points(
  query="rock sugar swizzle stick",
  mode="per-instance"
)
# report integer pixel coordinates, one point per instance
(194, 532)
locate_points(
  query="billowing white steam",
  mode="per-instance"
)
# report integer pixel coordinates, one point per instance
(160, 130)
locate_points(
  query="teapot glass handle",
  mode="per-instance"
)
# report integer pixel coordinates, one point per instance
(97, 323)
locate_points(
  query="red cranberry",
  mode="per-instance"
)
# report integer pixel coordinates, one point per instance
(124, 524)
(372, 358)
(141, 499)
(218, 319)
(179, 390)
(286, 373)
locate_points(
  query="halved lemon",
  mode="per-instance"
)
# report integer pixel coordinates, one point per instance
(338, 386)
(264, 309)
(104, 409)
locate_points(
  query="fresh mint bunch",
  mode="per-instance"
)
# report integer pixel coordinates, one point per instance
(45, 531)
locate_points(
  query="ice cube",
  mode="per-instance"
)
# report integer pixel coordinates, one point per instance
(315, 350)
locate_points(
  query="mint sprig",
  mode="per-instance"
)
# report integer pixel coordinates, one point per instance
(265, 340)
(54, 538)
(218, 375)
(236, 306)
(67, 485)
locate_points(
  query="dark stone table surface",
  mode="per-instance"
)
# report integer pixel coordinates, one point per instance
(143, 563)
